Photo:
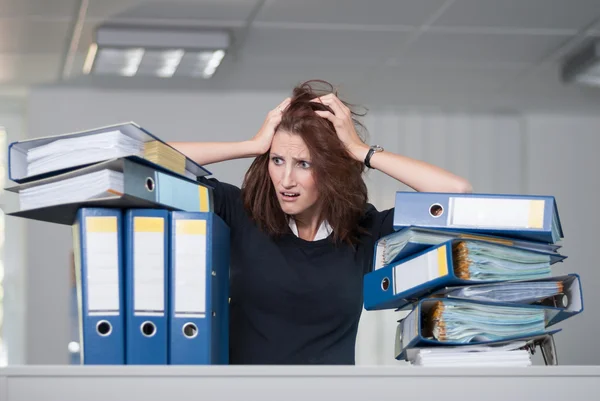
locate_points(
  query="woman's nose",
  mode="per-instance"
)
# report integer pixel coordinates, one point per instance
(288, 178)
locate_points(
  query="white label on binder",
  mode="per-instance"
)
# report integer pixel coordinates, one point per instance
(419, 270)
(149, 268)
(495, 213)
(190, 267)
(102, 271)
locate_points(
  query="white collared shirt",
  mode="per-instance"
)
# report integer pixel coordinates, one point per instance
(322, 233)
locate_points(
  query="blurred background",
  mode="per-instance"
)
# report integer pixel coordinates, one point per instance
(503, 92)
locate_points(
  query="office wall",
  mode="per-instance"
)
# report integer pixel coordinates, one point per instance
(507, 153)
(12, 304)
(563, 160)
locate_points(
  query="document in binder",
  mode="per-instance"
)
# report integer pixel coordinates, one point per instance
(527, 217)
(454, 262)
(513, 354)
(560, 295)
(411, 240)
(37, 158)
(453, 322)
(98, 251)
(199, 290)
(499, 353)
(129, 182)
(146, 286)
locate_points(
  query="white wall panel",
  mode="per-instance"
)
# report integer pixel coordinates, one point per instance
(564, 162)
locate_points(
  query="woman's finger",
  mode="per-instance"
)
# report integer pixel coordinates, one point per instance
(336, 100)
(329, 100)
(330, 116)
(283, 105)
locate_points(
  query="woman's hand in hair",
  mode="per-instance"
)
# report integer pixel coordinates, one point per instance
(263, 138)
(341, 118)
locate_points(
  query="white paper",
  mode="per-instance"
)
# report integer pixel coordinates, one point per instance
(68, 152)
(380, 255)
(489, 212)
(70, 190)
(148, 273)
(474, 355)
(416, 271)
(486, 358)
(190, 274)
(102, 271)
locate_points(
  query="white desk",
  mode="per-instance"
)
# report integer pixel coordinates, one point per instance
(226, 383)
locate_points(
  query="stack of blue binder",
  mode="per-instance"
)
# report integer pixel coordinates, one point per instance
(151, 256)
(473, 270)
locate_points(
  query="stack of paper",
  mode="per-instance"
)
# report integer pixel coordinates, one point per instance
(461, 321)
(69, 152)
(511, 355)
(491, 262)
(161, 154)
(76, 189)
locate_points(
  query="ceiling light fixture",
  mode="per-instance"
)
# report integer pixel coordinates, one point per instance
(583, 66)
(157, 52)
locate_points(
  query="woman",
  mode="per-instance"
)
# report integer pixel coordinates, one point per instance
(302, 232)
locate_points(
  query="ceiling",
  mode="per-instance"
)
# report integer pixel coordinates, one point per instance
(385, 50)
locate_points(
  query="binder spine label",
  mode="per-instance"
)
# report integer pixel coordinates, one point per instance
(421, 269)
(148, 266)
(190, 268)
(507, 213)
(102, 260)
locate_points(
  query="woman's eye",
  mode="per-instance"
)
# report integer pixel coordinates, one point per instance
(276, 160)
(305, 164)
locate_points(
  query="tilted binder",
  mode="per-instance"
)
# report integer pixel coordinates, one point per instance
(402, 283)
(138, 184)
(526, 217)
(17, 151)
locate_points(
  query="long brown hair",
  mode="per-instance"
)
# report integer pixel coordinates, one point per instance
(342, 191)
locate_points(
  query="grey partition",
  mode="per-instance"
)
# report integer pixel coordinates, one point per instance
(278, 383)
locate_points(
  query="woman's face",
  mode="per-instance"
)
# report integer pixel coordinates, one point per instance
(292, 175)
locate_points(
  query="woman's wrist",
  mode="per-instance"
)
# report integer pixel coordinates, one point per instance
(253, 148)
(359, 151)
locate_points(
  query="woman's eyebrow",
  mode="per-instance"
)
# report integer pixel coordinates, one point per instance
(295, 159)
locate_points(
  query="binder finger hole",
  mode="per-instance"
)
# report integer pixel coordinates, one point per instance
(148, 329)
(150, 184)
(385, 283)
(190, 330)
(103, 328)
(436, 210)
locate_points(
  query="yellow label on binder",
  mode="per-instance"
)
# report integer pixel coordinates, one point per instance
(191, 227)
(442, 261)
(536, 214)
(148, 224)
(203, 193)
(100, 224)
